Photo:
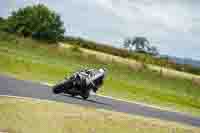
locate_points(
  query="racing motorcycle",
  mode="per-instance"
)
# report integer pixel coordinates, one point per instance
(81, 83)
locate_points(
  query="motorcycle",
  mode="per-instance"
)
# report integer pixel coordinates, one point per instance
(81, 83)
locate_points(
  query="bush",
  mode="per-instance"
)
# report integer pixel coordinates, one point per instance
(36, 21)
(76, 48)
(7, 37)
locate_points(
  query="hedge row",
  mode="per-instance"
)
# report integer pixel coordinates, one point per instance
(142, 57)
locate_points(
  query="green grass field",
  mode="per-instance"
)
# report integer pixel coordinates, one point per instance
(55, 117)
(33, 60)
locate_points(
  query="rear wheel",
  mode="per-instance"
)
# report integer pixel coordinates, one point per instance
(62, 87)
(73, 95)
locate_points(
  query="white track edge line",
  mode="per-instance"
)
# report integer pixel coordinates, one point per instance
(134, 102)
(27, 98)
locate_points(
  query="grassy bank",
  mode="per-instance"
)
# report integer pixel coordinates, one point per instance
(55, 117)
(140, 57)
(29, 59)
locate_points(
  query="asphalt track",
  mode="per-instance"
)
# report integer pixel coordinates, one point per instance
(13, 87)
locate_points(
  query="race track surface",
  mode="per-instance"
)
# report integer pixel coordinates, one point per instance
(13, 87)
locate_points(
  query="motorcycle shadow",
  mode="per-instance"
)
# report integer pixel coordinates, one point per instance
(88, 100)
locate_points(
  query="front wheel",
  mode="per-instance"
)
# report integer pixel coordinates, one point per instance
(85, 95)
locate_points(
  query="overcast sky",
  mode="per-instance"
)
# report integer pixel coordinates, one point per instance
(171, 25)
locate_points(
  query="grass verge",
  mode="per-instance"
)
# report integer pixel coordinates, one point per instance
(35, 116)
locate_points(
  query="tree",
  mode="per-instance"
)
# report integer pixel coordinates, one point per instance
(141, 44)
(38, 22)
(2, 23)
(153, 50)
(138, 42)
(1, 19)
